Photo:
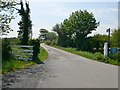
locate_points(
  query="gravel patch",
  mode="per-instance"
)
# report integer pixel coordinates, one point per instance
(26, 78)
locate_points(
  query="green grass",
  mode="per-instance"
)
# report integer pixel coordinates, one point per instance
(94, 56)
(13, 64)
(43, 54)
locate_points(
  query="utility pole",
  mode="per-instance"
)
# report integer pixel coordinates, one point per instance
(108, 30)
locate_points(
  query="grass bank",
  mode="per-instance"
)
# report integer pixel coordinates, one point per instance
(13, 64)
(43, 54)
(94, 56)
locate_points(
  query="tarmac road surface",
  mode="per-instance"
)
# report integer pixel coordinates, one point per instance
(73, 71)
(64, 70)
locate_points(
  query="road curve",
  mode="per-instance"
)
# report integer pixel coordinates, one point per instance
(66, 70)
(63, 70)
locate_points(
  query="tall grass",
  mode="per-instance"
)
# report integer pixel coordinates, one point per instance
(94, 56)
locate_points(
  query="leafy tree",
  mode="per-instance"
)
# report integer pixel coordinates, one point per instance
(43, 33)
(97, 42)
(25, 24)
(74, 30)
(68, 33)
(51, 36)
(115, 38)
(7, 8)
(83, 23)
(58, 29)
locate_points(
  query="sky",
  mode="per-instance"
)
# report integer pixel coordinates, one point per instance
(46, 14)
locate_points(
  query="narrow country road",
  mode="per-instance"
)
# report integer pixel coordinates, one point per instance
(74, 71)
(64, 70)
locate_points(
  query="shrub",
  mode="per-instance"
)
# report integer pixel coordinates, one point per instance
(54, 42)
(14, 41)
(36, 49)
(99, 56)
(114, 56)
(6, 49)
(48, 42)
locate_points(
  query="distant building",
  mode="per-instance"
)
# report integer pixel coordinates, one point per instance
(43, 33)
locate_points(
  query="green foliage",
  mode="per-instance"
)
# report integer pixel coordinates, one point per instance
(43, 55)
(7, 8)
(43, 33)
(48, 42)
(96, 43)
(54, 42)
(51, 38)
(6, 49)
(14, 41)
(94, 56)
(74, 30)
(13, 64)
(36, 49)
(83, 23)
(31, 41)
(25, 24)
(115, 38)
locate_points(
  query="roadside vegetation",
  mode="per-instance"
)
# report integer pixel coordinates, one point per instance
(94, 56)
(11, 63)
(73, 35)
(43, 54)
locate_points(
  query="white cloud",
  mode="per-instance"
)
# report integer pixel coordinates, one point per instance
(59, 10)
(108, 18)
(106, 12)
(109, 14)
(102, 29)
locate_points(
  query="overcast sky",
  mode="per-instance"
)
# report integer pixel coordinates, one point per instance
(46, 14)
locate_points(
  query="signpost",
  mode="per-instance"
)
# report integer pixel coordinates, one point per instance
(108, 30)
(114, 50)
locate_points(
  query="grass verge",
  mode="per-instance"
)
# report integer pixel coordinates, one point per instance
(13, 64)
(94, 56)
(43, 54)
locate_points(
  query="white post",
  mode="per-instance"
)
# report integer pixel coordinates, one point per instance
(105, 49)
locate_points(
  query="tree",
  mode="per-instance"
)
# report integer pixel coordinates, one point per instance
(97, 42)
(25, 24)
(43, 33)
(74, 30)
(7, 8)
(115, 38)
(58, 29)
(51, 36)
(83, 23)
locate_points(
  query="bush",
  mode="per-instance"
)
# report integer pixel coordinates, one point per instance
(99, 56)
(48, 42)
(6, 49)
(114, 56)
(14, 41)
(31, 41)
(36, 49)
(54, 42)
